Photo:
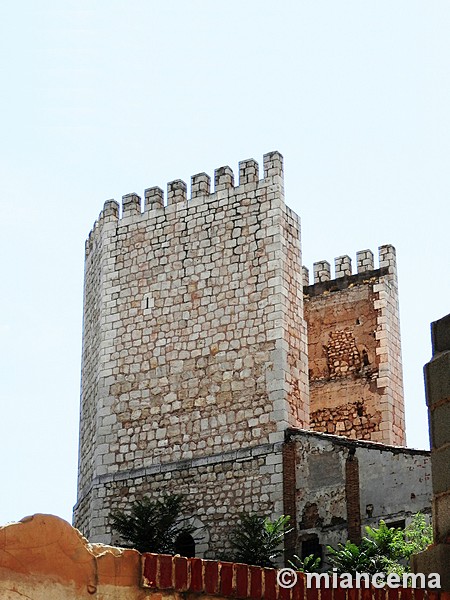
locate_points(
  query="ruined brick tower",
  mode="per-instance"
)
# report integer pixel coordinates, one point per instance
(195, 351)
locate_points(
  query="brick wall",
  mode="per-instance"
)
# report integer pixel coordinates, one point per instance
(44, 558)
(352, 497)
(200, 578)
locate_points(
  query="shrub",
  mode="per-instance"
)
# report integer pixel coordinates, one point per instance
(152, 526)
(256, 540)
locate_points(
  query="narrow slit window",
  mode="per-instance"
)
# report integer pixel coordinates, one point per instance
(147, 303)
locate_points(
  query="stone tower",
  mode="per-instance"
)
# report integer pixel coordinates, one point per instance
(355, 366)
(195, 352)
(194, 346)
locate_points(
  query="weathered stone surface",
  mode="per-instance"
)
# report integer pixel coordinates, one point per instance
(440, 335)
(440, 426)
(394, 483)
(354, 355)
(195, 357)
(437, 380)
(194, 345)
(436, 559)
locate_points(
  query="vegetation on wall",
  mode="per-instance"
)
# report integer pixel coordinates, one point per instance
(155, 526)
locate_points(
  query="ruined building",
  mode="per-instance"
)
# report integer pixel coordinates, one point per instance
(213, 367)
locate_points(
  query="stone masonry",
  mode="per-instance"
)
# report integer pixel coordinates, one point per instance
(436, 558)
(355, 369)
(194, 343)
(342, 485)
(195, 361)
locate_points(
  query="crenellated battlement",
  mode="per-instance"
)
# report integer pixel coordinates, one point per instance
(343, 265)
(194, 341)
(157, 203)
(203, 341)
(354, 347)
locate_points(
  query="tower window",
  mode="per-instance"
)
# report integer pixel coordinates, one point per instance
(365, 358)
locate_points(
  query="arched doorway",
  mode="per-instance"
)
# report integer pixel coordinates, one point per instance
(185, 545)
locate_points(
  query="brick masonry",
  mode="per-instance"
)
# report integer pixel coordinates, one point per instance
(342, 485)
(44, 558)
(352, 498)
(289, 498)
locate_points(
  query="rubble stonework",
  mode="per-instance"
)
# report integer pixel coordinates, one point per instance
(195, 354)
(354, 353)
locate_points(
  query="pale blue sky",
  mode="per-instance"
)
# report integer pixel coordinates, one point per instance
(102, 98)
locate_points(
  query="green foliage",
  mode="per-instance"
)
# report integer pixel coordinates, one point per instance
(152, 526)
(417, 537)
(256, 540)
(310, 564)
(382, 550)
(350, 558)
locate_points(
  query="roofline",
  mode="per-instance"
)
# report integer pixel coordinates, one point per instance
(291, 432)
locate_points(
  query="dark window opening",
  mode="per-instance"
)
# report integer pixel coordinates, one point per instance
(397, 524)
(312, 546)
(365, 358)
(185, 545)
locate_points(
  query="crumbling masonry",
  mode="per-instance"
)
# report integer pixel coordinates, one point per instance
(213, 368)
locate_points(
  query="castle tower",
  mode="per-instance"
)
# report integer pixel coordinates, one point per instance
(194, 350)
(198, 358)
(355, 368)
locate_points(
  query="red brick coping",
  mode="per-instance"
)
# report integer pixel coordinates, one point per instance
(233, 580)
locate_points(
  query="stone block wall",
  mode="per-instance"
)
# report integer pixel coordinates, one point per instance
(354, 352)
(217, 489)
(196, 353)
(194, 341)
(436, 558)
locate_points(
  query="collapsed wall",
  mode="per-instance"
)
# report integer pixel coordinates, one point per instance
(339, 485)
